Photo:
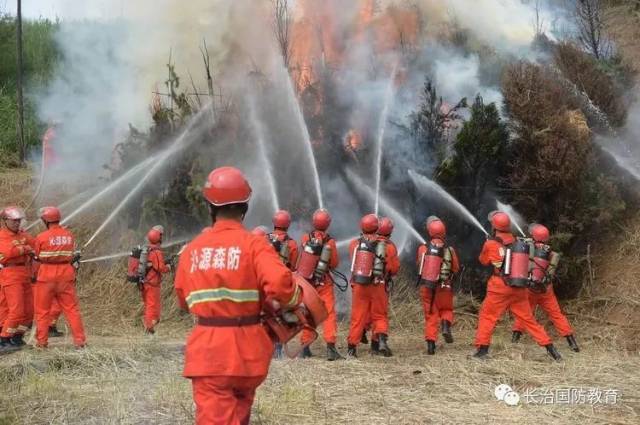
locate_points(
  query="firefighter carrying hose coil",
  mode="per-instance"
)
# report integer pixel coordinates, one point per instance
(227, 277)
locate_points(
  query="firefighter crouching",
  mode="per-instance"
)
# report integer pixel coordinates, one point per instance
(507, 287)
(223, 277)
(318, 256)
(437, 263)
(16, 253)
(56, 278)
(544, 264)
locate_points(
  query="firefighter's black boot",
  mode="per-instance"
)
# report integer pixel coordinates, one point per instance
(306, 352)
(17, 340)
(446, 331)
(571, 340)
(375, 347)
(351, 352)
(54, 332)
(383, 348)
(333, 354)
(515, 336)
(553, 352)
(6, 346)
(363, 339)
(482, 353)
(431, 347)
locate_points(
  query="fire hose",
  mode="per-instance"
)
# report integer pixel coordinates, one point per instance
(342, 278)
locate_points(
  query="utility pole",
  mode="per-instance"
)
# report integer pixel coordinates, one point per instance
(20, 126)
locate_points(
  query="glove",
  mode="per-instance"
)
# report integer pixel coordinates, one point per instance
(27, 250)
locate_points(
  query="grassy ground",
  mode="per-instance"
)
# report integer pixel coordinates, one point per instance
(135, 379)
(125, 377)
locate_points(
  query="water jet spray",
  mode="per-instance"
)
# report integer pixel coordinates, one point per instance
(426, 184)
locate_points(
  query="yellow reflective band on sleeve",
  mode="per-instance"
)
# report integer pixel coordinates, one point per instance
(223, 294)
(47, 254)
(497, 264)
(295, 299)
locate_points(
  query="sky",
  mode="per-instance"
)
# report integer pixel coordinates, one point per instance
(69, 9)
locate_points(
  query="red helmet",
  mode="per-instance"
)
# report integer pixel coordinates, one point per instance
(538, 232)
(385, 227)
(436, 227)
(500, 221)
(321, 219)
(282, 219)
(13, 213)
(155, 234)
(260, 231)
(369, 223)
(225, 186)
(50, 214)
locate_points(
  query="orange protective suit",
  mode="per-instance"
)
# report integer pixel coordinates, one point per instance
(15, 281)
(151, 290)
(325, 291)
(293, 247)
(501, 297)
(549, 304)
(441, 308)
(55, 312)
(223, 276)
(370, 303)
(56, 281)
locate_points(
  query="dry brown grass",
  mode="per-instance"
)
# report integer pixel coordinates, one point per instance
(133, 379)
(125, 377)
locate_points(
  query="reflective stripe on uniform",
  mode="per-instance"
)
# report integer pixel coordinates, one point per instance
(223, 294)
(295, 298)
(497, 264)
(46, 254)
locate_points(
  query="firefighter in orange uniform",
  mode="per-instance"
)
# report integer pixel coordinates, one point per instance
(286, 247)
(222, 276)
(368, 284)
(151, 286)
(503, 293)
(56, 276)
(391, 267)
(437, 263)
(16, 252)
(318, 256)
(541, 290)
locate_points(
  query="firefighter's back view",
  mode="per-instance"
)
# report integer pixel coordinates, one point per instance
(223, 277)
